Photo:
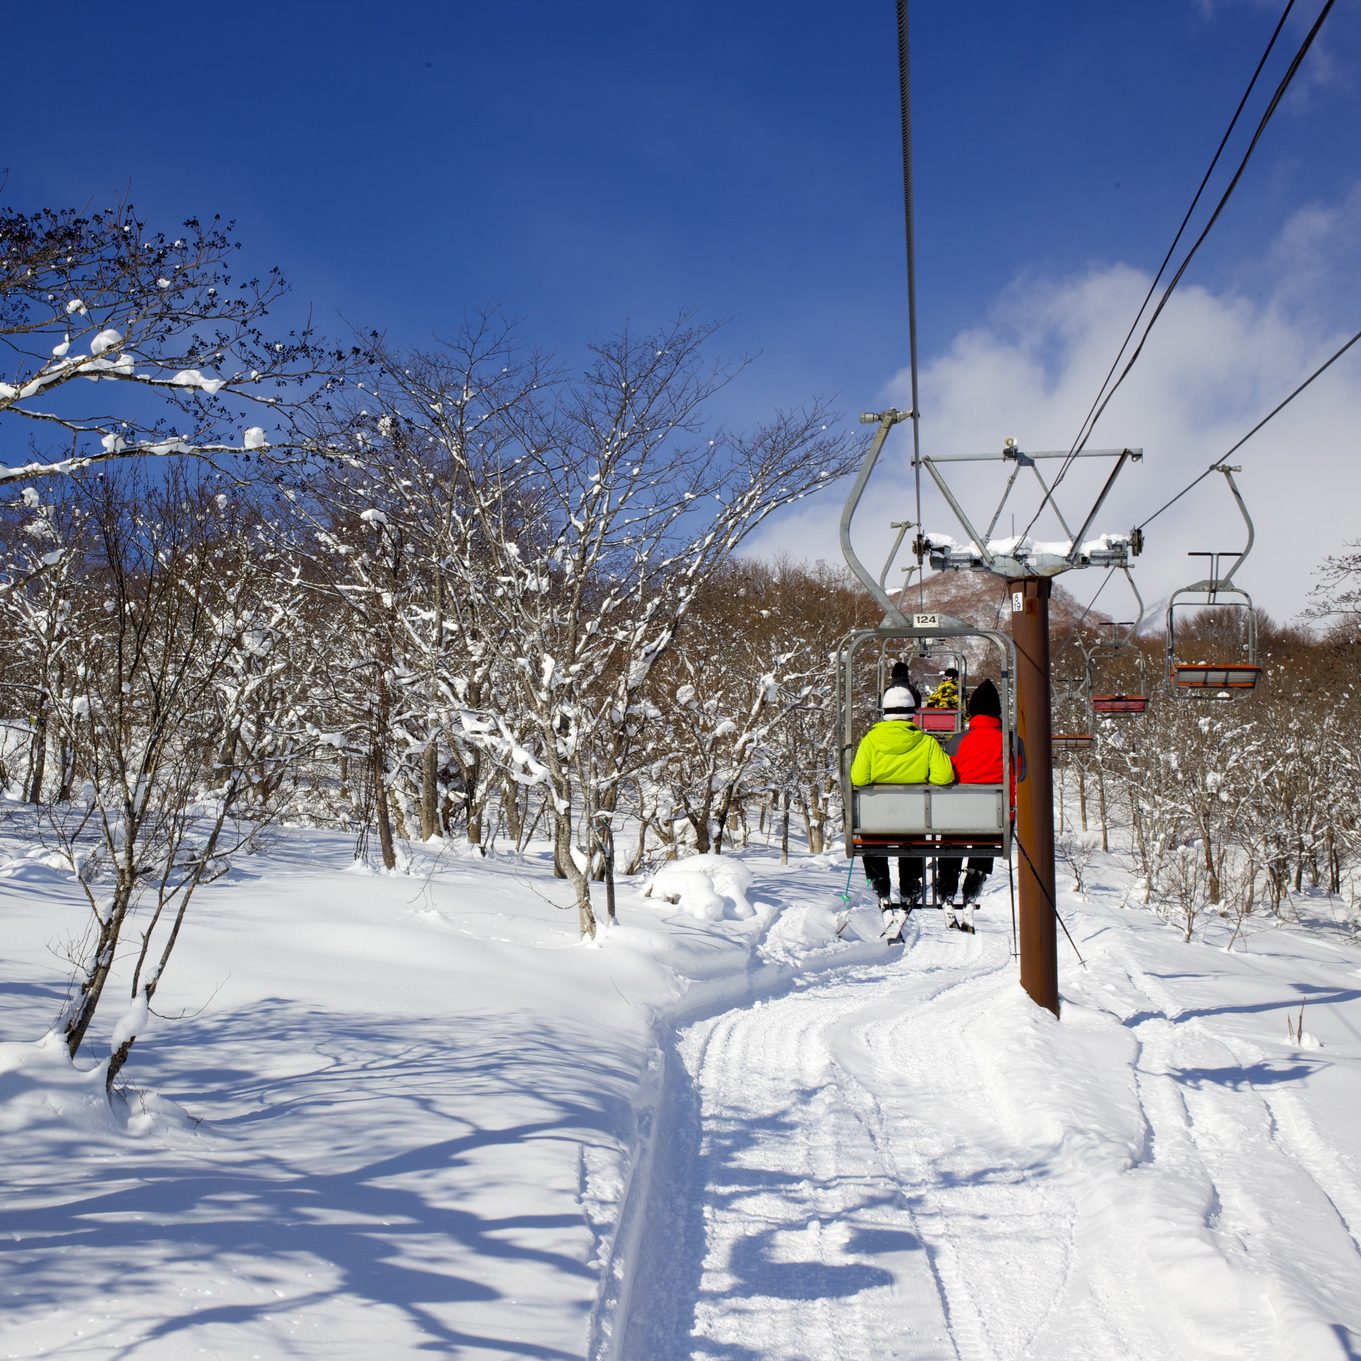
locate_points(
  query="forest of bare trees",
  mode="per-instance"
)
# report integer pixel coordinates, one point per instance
(466, 592)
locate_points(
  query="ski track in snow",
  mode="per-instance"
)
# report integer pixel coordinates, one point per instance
(1190, 1084)
(847, 1174)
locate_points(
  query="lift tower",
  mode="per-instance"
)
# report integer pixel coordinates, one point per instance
(1028, 566)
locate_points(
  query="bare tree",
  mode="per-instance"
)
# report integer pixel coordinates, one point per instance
(596, 510)
(116, 342)
(171, 649)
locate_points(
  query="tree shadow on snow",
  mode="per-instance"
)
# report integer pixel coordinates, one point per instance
(1312, 993)
(317, 1164)
(1270, 1072)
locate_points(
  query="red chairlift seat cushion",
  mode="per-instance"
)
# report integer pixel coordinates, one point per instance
(1119, 704)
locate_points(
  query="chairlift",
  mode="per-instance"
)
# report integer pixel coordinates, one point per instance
(1104, 661)
(920, 820)
(1071, 727)
(1105, 702)
(1223, 677)
(944, 721)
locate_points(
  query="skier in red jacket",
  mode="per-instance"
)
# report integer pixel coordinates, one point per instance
(976, 754)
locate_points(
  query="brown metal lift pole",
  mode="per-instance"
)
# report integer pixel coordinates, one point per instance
(1035, 793)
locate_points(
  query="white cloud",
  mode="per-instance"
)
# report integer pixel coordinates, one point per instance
(1214, 365)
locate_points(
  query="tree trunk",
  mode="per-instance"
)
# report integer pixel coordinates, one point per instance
(382, 813)
(566, 864)
(606, 836)
(37, 761)
(510, 809)
(82, 1010)
(473, 800)
(430, 825)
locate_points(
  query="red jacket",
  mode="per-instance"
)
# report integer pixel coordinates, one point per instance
(977, 752)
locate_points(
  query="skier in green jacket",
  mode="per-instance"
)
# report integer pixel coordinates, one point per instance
(896, 751)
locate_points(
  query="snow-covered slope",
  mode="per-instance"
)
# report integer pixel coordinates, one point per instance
(405, 1115)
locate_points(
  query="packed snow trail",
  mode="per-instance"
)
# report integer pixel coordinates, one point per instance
(906, 1159)
(816, 1166)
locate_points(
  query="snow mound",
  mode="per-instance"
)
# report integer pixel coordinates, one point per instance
(710, 887)
(43, 1095)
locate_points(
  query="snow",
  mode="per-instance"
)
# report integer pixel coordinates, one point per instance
(711, 887)
(254, 438)
(196, 379)
(1029, 556)
(408, 1114)
(105, 341)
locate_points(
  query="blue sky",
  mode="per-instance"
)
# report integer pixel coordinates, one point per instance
(586, 166)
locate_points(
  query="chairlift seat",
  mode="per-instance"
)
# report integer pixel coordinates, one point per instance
(938, 720)
(1207, 676)
(1072, 741)
(928, 820)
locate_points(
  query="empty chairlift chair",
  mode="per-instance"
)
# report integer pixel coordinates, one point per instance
(1117, 675)
(1218, 658)
(1071, 726)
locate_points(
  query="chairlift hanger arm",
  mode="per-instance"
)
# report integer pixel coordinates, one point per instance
(1139, 600)
(886, 421)
(1227, 580)
(1121, 459)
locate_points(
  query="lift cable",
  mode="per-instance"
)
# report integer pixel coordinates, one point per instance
(1276, 410)
(1085, 431)
(909, 233)
(1274, 103)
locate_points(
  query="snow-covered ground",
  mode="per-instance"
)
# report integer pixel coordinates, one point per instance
(412, 1115)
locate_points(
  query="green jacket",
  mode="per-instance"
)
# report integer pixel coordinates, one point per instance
(896, 752)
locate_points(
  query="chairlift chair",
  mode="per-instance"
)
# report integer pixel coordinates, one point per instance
(945, 722)
(1071, 726)
(921, 820)
(1102, 666)
(1220, 678)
